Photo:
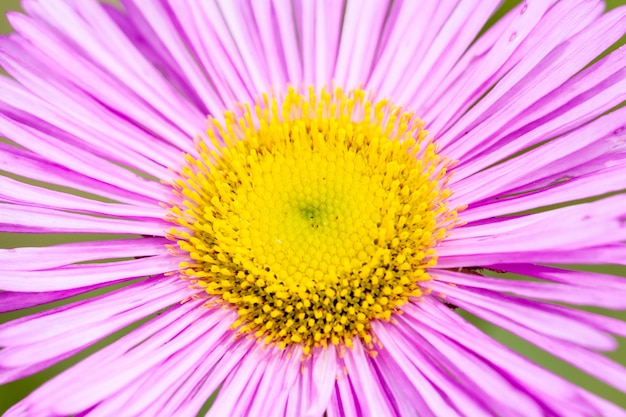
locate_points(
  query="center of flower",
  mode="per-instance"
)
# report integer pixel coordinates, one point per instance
(312, 215)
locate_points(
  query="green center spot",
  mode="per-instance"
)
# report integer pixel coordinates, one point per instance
(316, 215)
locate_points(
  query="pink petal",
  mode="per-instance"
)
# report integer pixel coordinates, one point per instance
(368, 388)
(76, 159)
(584, 225)
(457, 33)
(20, 219)
(27, 164)
(608, 254)
(579, 100)
(48, 257)
(84, 275)
(589, 185)
(133, 73)
(530, 314)
(163, 382)
(20, 193)
(528, 82)
(97, 81)
(601, 137)
(572, 292)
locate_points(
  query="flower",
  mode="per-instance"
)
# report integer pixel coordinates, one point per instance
(368, 170)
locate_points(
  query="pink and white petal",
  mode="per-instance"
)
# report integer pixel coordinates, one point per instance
(96, 80)
(400, 388)
(112, 368)
(69, 329)
(530, 314)
(161, 383)
(13, 374)
(48, 257)
(594, 364)
(361, 27)
(368, 388)
(480, 48)
(548, 389)
(441, 395)
(328, 25)
(305, 16)
(314, 384)
(89, 30)
(243, 388)
(320, 28)
(270, 385)
(528, 82)
(271, 395)
(112, 405)
(583, 225)
(52, 323)
(208, 35)
(607, 254)
(206, 49)
(475, 372)
(268, 41)
(24, 219)
(104, 379)
(53, 98)
(161, 23)
(575, 166)
(240, 25)
(190, 394)
(30, 165)
(12, 301)
(25, 110)
(324, 371)
(20, 193)
(599, 321)
(206, 380)
(523, 28)
(579, 100)
(73, 157)
(581, 279)
(602, 406)
(148, 45)
(239, 388)
(343, 403)
(55, 256)
(571, 293)
(598, 138)
(457, 33)
(81, 336)
(229, 59)
(288, 33)
(408, 32)
(85, 275)
(589, 185)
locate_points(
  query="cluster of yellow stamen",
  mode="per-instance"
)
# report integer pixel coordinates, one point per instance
(312, 215)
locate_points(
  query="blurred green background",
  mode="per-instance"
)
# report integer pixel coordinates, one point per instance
(13, 392)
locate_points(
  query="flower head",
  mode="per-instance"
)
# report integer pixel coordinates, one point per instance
(313, 220)
(368, 171)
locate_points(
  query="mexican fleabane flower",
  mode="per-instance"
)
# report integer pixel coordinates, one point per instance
(311, 193)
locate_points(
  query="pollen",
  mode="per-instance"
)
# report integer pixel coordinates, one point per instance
(312, 215)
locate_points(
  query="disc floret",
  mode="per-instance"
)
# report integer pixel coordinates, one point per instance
(312, 215)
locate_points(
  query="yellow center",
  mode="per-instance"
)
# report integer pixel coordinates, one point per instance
(312, 215)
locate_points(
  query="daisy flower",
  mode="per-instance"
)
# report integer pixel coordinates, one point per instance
(310, 194)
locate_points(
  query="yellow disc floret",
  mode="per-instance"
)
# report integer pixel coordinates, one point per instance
(312, 215)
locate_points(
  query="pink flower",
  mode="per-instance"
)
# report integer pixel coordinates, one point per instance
(308, 250)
